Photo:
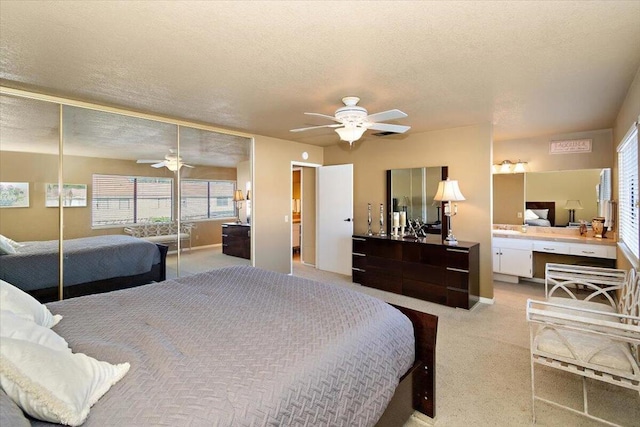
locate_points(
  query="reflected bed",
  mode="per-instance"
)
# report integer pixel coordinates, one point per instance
(91, 264)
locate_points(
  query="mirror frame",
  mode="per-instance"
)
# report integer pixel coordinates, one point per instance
(445, 219)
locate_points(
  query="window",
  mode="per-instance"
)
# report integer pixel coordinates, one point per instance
(628, 190)
(201, 199)
(120, 199)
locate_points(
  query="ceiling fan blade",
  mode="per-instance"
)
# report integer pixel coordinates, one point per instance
(316, 127)
(323, 115)
(386, 127)
(386, 115)
(158, 165)
(149, 161)
(187, 166)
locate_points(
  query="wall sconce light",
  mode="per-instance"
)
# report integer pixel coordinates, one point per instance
(507, 166)
(448, 191)
(238, 198)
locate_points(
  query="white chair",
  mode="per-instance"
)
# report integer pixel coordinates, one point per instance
(588, 325)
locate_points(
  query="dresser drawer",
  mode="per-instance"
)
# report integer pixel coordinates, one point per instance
(457, 258)
(552, 247)
(595, 251)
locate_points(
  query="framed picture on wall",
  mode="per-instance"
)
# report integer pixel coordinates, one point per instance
(14, 194)
(73, 195)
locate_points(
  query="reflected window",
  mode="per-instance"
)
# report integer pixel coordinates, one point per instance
(118, 200)
(207, 199)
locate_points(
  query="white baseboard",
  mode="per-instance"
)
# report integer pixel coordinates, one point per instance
(489, 301)
(505, 278)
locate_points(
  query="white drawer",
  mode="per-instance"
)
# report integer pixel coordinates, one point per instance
(551, 247)
(595, 251)
(501, 242)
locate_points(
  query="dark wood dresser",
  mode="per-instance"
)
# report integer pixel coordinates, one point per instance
(236, 240)
(424, 269)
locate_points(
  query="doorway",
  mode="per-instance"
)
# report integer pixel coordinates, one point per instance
(303, 214)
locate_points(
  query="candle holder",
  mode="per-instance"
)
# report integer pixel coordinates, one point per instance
(396, 223)
(402, 230)
(382, 232)
(369, 231)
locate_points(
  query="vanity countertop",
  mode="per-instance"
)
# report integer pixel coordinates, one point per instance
(554, 234)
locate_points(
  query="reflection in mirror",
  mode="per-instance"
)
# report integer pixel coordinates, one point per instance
(120, 176)
(220, 168)
(556, 190)
(412, 190)
(120, 196)
(29, 146)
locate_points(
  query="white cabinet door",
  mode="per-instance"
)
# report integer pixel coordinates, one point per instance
(516, 262)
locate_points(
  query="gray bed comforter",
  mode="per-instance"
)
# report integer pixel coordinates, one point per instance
(241, 346)
(35, 265)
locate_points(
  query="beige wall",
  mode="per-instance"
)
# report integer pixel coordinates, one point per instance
(467, 153)
(38, 222)
(628, 114)
(508, 198)
(535, 151)
(272, 195)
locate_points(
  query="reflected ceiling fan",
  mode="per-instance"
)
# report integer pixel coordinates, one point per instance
(171, 161)
(353, 120)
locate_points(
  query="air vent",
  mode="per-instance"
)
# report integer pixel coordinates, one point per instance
(385, 133)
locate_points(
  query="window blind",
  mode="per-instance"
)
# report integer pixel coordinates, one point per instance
(118, 199)
(203, 199)
(628, 191)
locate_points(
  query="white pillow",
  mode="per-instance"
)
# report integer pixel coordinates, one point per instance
(529, 214)
(13, 243)
(54, 385)
(542, 213)
(24, 305)
(19, 328)
(6, 248)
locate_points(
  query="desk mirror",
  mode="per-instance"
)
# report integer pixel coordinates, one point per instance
(558, 191)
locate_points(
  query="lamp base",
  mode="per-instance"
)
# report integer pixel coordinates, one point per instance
(451, 240)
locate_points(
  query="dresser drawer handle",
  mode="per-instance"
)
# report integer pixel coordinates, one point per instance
(358, 254)
(225, 235)
(588, 252)
(458, 250)
(459, 270)
(549, 249)
(358, 269)
(360, 239)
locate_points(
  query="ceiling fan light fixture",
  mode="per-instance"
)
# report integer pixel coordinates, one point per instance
(173, 166)
(350, 133)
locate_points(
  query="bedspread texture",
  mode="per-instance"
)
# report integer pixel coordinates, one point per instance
(241, 346)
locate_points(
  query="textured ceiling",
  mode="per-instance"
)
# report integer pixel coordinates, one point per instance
(530, 68)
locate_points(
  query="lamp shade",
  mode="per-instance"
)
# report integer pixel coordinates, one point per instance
(350, 133)
(519, 167)
(237, 196)
(573, 204)
(505, 167)
(448, 191)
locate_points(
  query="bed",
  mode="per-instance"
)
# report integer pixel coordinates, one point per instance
(244, 346)
(545, 212)
(91, 264)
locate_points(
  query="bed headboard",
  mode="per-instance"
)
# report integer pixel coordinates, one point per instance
(544, 205)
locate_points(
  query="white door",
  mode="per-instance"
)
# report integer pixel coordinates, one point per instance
(334, 218)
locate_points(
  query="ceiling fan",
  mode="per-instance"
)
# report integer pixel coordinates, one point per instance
(171, 161)
(353, 120)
